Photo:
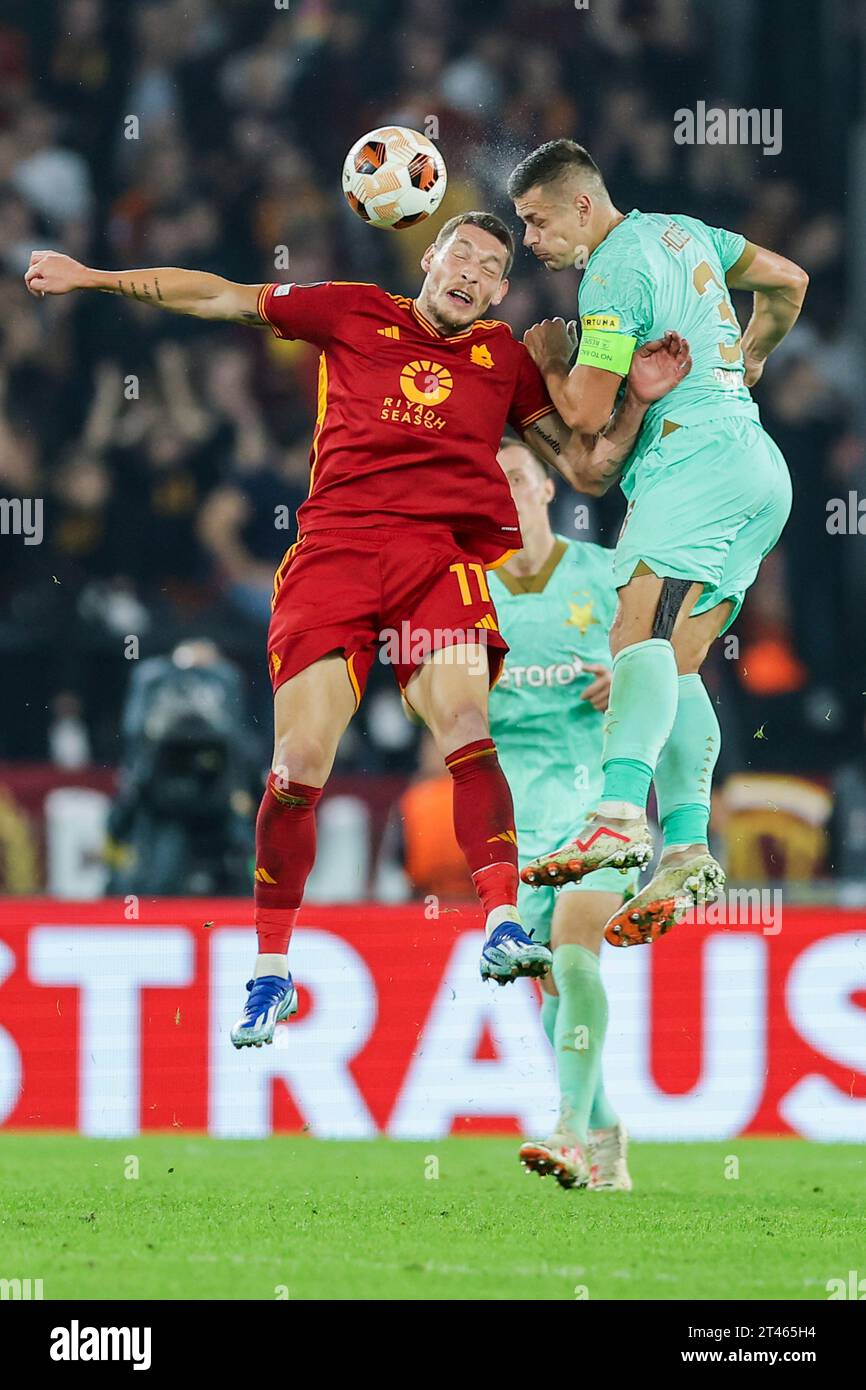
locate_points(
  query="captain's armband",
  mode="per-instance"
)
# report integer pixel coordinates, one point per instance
(612, 352)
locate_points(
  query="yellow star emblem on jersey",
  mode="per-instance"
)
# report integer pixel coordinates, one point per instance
(480, 355)
(581, 616)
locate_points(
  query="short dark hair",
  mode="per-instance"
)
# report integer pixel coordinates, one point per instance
(548, 163)
(488, 222)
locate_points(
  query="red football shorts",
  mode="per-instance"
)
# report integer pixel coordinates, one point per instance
(401, 594)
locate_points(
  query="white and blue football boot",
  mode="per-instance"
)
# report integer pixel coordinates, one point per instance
(270, 999)
(509, 953)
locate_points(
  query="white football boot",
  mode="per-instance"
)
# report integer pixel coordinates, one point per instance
(608, 1149)
(562, 1155)
(674, 889)
(601, 844)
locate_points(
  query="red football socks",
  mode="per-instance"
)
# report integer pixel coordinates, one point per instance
(285, 853)
(484, 822)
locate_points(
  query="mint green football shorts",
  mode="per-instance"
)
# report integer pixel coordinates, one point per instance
(709, 502)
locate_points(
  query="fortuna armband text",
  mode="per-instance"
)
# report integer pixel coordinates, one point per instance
(610, 351)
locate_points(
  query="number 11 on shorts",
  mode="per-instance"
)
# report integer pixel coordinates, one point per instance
(462, 579)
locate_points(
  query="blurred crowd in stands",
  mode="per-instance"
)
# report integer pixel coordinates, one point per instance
(210, 134)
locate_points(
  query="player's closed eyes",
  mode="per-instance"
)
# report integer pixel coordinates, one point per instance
(487, 269)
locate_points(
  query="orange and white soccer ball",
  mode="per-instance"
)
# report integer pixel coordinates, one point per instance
(394, 177)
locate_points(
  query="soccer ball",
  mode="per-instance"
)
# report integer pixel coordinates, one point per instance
(394, 177)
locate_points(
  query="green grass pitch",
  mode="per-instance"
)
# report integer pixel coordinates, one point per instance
(311, 1219)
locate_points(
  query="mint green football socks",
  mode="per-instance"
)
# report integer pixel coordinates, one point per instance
(578, 1037)
(639, 719)
(549, 1008)
(684, 773)
(602, 1114)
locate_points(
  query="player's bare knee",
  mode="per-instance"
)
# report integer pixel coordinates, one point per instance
(464, 726)
(457, 725)
(454, 701)
(303, 757)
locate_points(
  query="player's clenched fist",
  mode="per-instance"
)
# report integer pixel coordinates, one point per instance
(50, 272)
(550, 343)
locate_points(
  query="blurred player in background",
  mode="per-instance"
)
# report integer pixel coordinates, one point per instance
(709, 495)
(556, 602)
(407, 510)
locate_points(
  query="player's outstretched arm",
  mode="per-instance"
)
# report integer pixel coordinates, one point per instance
(592, 463)
(779, 287)
(194, 292)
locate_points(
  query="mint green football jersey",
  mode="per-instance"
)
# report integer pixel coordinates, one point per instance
(549, 740)
(655, 272)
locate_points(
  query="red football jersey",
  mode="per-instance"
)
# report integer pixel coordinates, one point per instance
(408, 421)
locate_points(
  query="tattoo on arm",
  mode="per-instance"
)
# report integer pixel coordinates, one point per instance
(549, 439)
(150, 292)
(584, 459)
(143, 293)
